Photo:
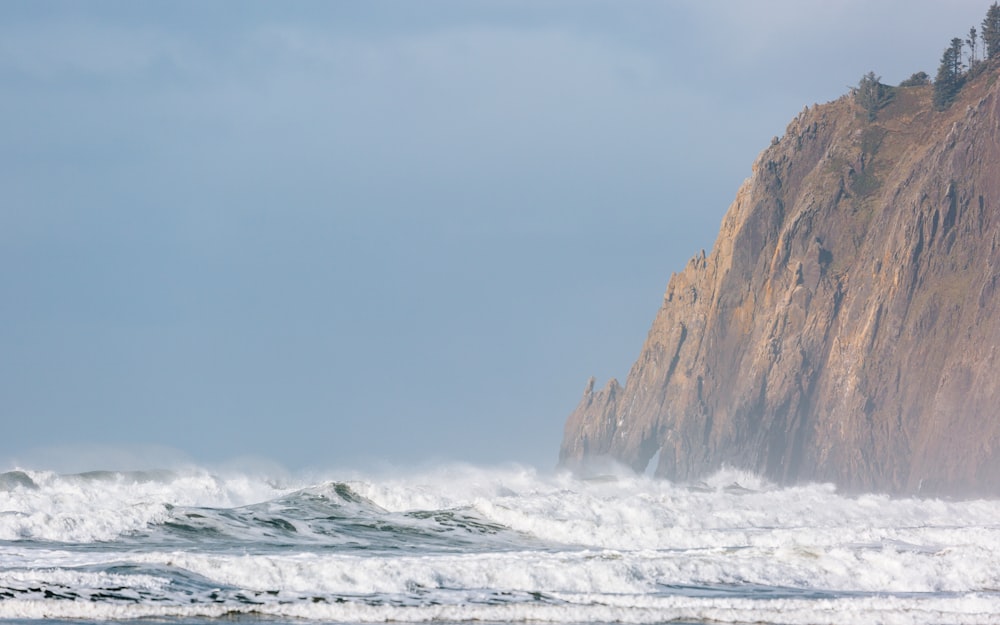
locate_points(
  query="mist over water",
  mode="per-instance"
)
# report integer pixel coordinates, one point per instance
(459, 543)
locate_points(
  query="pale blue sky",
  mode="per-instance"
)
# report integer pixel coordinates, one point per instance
(329, 234)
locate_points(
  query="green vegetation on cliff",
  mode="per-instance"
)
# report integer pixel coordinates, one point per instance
(956, 67)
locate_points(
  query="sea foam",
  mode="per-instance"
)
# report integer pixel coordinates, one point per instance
(462, 543)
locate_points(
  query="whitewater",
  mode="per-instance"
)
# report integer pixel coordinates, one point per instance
(463, 544)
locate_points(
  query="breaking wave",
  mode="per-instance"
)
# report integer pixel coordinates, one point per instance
(468, 544)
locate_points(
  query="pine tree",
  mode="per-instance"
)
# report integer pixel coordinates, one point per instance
(949, 76)
(871, 94)
(971, 42)
(991, 31)
(956, 55)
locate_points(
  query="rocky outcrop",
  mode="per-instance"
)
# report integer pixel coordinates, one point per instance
(845, 327)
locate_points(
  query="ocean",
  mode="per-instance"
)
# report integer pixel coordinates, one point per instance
(458, 544)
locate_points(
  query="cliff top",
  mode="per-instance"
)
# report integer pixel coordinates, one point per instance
(843, 327)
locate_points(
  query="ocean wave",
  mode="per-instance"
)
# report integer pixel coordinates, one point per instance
(13, 480)
(329, 515)
(101, 506)
(464, 543)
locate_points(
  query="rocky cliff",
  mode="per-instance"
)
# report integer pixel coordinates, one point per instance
(845, 327)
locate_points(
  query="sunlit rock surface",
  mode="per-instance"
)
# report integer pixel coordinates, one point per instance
(845, 327)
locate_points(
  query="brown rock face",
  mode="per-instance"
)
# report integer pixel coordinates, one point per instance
(845, 326)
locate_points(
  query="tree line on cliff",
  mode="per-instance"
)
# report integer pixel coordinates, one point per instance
(962, 59)
(957, 66)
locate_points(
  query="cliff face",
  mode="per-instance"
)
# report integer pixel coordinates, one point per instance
(845, 326)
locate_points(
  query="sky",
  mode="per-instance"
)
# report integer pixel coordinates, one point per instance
(332, 234)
